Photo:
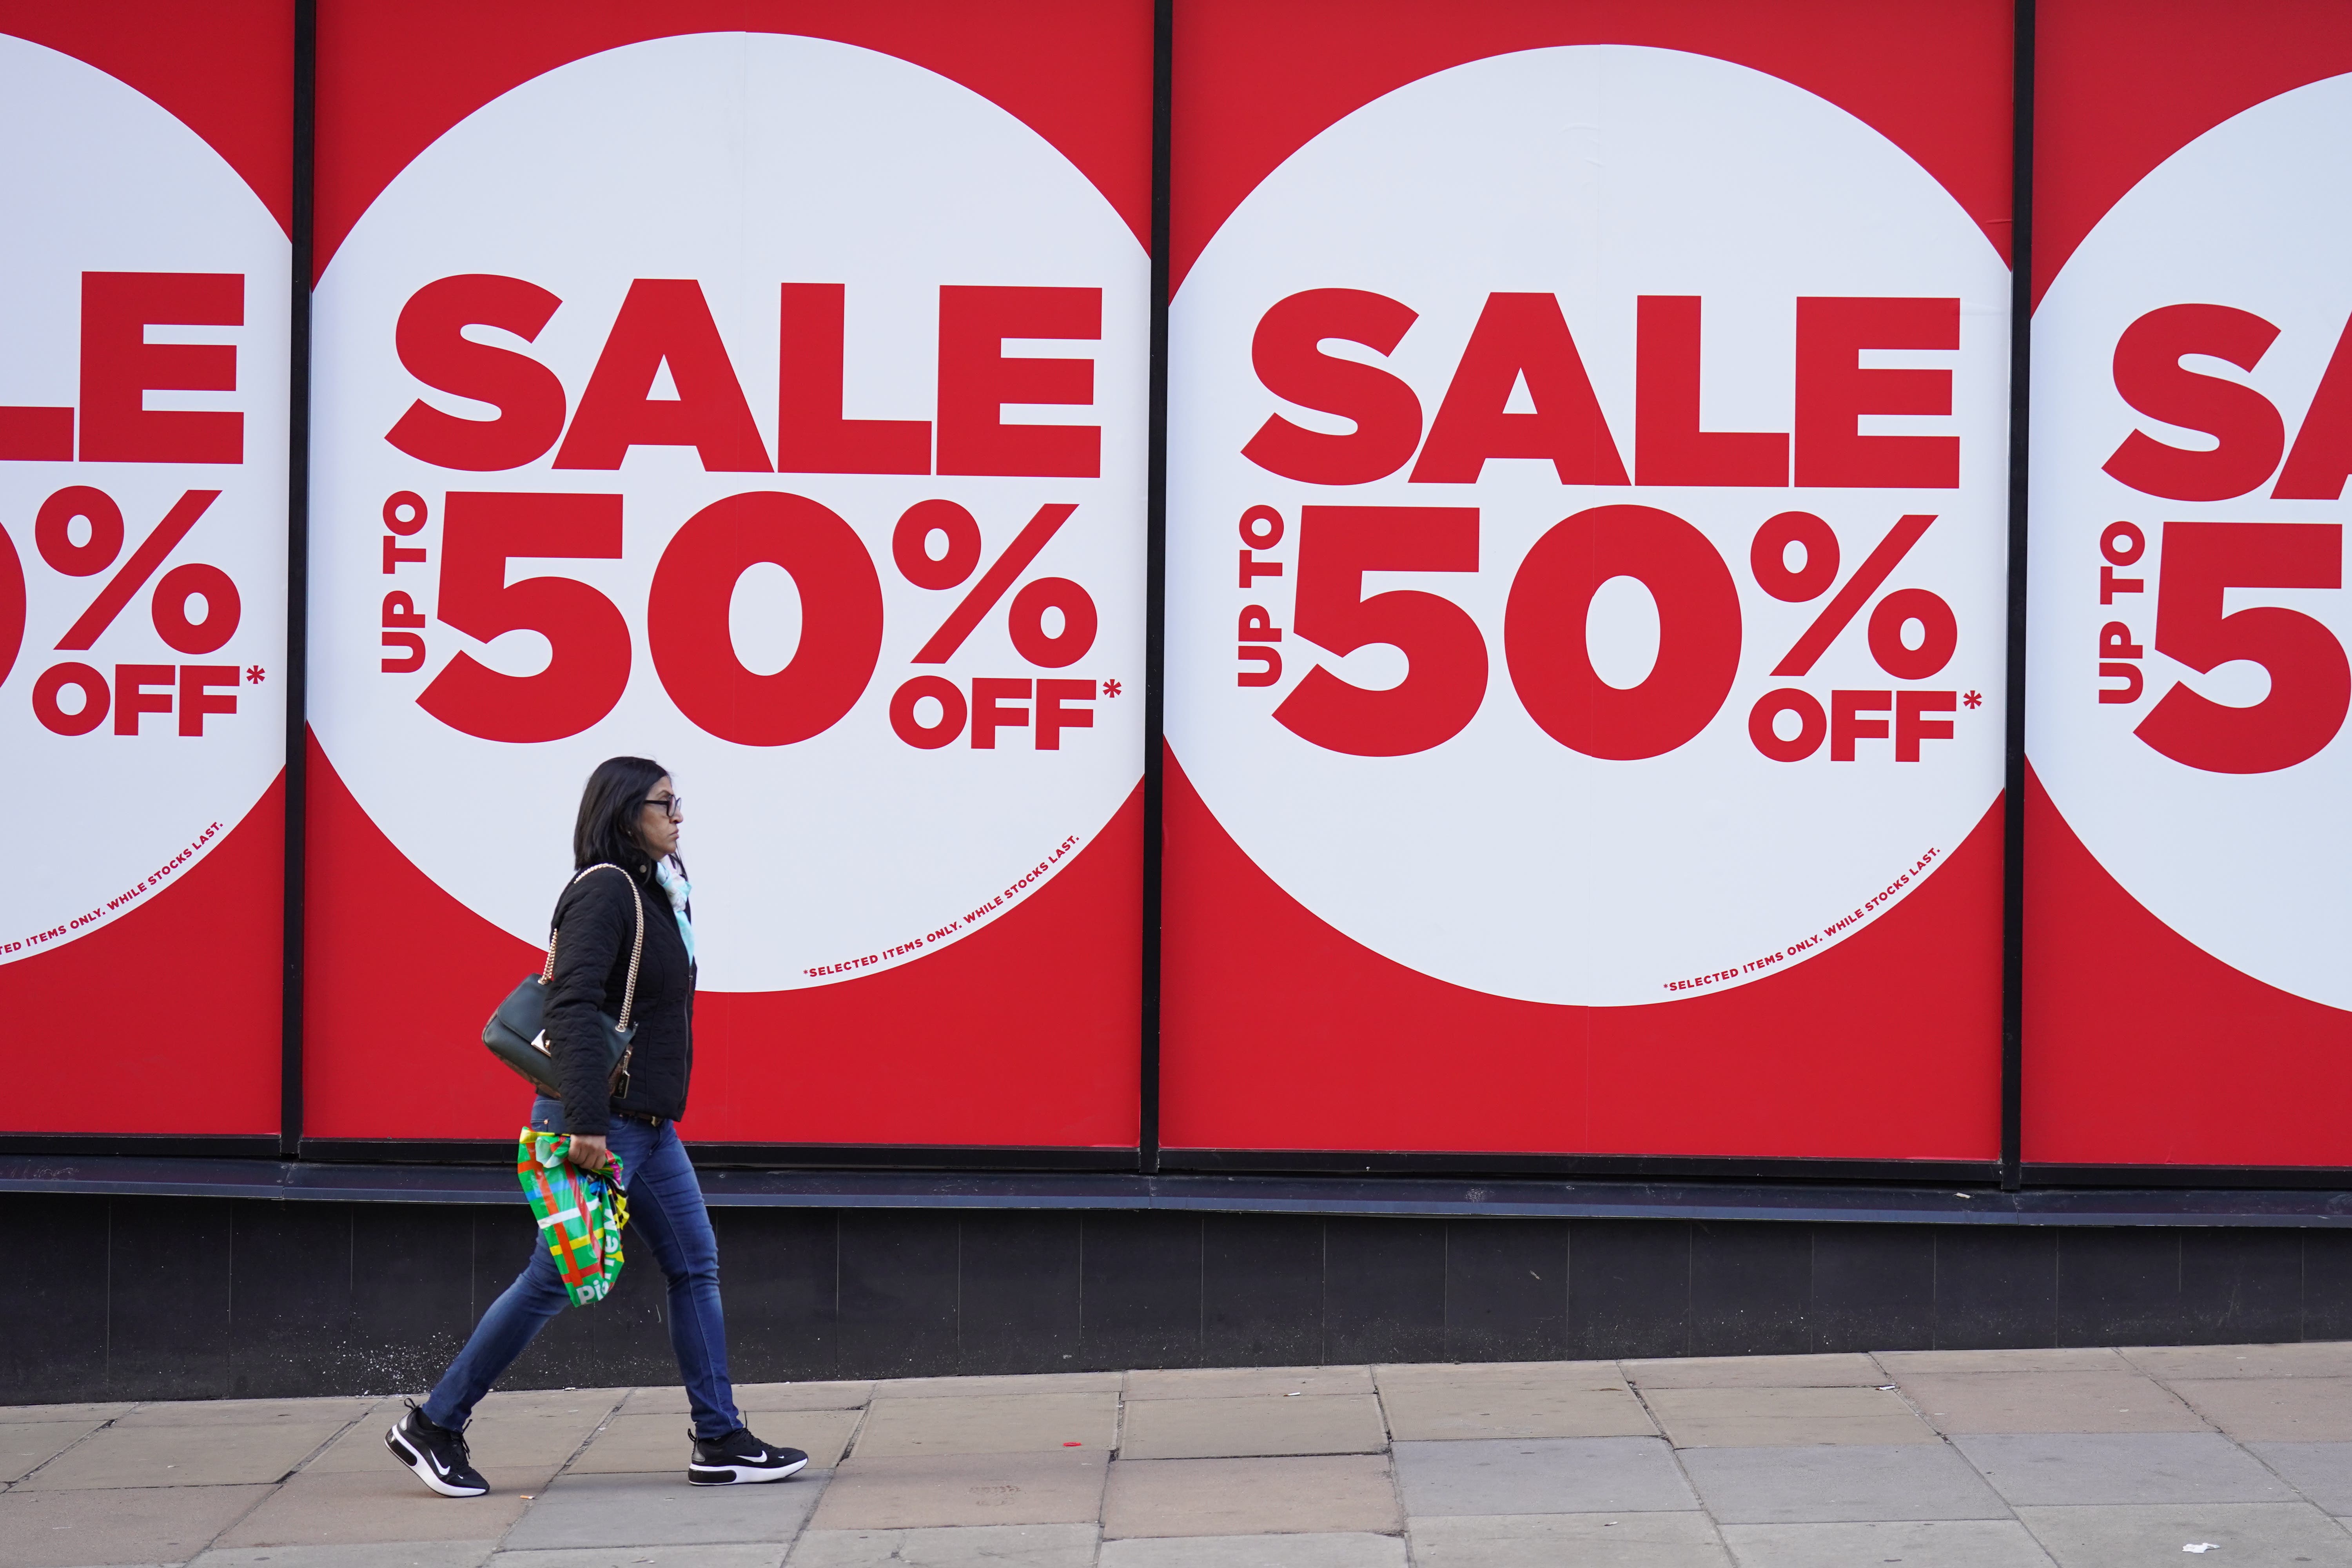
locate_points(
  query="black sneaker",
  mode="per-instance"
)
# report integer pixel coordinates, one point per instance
(740, 1456)
(436, 1453)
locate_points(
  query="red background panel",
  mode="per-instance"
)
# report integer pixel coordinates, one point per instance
(1280, 1032)
(1256, 79)
(1284, 1034)
(2141, 1048)
(1021, 1034)
(225, 68)
(391, 78)
(2121, 85)
(165, 1020)
(181, 997)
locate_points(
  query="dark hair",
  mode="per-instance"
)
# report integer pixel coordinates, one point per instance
(607, 827)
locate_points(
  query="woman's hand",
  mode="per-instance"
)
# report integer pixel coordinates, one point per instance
(589, 1152)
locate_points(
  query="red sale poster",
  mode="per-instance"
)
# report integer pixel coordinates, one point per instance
(144, 325)
(759, 387)
(1587, 464)
(2188, 891)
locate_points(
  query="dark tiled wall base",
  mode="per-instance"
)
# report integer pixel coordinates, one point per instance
(187, 1297)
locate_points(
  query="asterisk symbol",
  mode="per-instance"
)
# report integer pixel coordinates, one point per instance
(1111, 688)
(254, 674)
(1974, 699)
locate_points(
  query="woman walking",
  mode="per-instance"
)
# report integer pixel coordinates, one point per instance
(624, 854)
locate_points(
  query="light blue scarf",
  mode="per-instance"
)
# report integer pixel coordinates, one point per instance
(674, 883)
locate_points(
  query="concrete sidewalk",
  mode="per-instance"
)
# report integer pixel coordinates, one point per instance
(2077, 1459)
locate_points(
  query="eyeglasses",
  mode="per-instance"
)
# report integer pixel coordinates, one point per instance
(673, 806)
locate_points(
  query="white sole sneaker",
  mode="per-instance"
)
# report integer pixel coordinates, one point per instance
(408, 1454)
(740, 1474)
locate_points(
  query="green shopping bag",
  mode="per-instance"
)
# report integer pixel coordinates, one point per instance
(580, 1214)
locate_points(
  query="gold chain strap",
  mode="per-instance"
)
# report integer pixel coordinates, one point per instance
(636, 953)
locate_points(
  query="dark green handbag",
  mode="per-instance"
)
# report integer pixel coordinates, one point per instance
(516, 1032)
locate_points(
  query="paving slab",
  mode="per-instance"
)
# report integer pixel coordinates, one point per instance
(928, 1490)
(663, 1511)
(2321, 1472)
(350, 1508)
(669, 1398)
(2264, 1535)
(146, 1524)
(1234, 1428)
(1902, 1364)
(1595, 1404)
(1930, 1544)
(208, 1413)
(1839, 1483)
(1842, 1371)
(2274, 1409)
(765, 1555)
(2101, 1468)
(987, 1424)
(25, 1445)
(1337, 1549)
(1014, 1383)
(663, 1441)
(581, 1415)
(375, 1419)
(1531, 1476)
(1585, 1540)
(1806, 1459)
(823, 1435)
(2320, 1358)
(640, 1444)
(546, 1400)
(1348, 1492)
(1748, 1417)
(375, 1555)
(1391, 1376)
(100, 1411)
(757, 1397)
(172, 1455)
(1238, 1382)
(965, 1546)
(2107, 1400)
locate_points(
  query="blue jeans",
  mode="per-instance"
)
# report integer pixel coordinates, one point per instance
(666, 1211)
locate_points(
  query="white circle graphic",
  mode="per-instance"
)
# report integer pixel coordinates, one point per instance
(1500, 860)
(2254, 867)
(100, 179)
(743, 162)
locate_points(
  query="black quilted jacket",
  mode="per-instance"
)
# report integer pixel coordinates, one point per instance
(595, 924)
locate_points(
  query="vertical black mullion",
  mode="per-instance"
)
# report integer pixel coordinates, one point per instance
(1155, 612)
(298, 579)
(2021, 391)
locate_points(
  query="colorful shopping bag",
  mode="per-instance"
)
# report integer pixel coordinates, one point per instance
(580, 1214)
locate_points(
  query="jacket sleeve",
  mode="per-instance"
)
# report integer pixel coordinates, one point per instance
(596, 926)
